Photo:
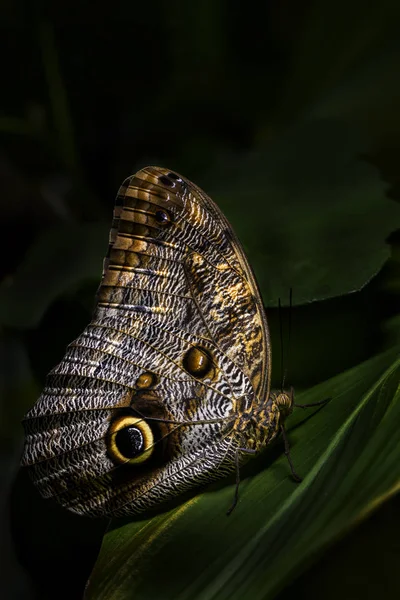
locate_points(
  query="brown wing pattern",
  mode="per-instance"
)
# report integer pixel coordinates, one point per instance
(178, 346)
(189, 270)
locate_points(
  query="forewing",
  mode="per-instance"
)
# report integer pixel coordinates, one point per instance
(190, 272)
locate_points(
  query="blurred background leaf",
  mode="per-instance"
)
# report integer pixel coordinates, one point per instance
(59, 261)
(326, 213)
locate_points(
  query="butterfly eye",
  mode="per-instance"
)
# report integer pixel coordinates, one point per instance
(130, 440)
(163, 217)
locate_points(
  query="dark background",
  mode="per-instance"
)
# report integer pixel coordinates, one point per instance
(92, 93)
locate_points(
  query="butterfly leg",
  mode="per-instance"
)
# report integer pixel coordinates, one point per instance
(296, 477)
(236, 495)
(320, 403)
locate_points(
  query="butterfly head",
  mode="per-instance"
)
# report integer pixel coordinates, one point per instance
(284, 400)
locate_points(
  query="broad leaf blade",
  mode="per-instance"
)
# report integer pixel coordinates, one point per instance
(323, 207)
(349, 454)
(58, 262)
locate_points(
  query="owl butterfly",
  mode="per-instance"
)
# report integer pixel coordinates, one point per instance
(168, 387)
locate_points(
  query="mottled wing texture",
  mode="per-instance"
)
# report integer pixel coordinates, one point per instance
(175, 282)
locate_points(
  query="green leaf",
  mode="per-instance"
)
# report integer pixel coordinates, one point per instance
(58, 262)
(348, 452)
(62, 121)
(324, 210)
(18, 387)
(352, 59)
(367, 98)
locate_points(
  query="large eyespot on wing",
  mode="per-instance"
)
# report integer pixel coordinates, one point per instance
(130, 440)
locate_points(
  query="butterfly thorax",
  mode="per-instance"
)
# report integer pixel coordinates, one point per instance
(261, 422)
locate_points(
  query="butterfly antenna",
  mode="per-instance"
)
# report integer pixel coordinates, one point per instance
(289, 336)
(281, 336)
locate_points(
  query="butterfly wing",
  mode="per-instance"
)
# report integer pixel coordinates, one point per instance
(177, 345)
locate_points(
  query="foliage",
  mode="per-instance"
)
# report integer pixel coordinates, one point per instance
(278, 526)
(288, 116)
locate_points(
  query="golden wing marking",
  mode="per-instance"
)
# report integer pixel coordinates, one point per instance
(195, 204)
(193, 239)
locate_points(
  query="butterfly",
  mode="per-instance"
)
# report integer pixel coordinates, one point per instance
(168, 387)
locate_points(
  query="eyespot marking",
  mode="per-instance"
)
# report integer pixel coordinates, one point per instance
(146, 380)
(163, 217)
(130, 440)
(198, 362)
(164, 179)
